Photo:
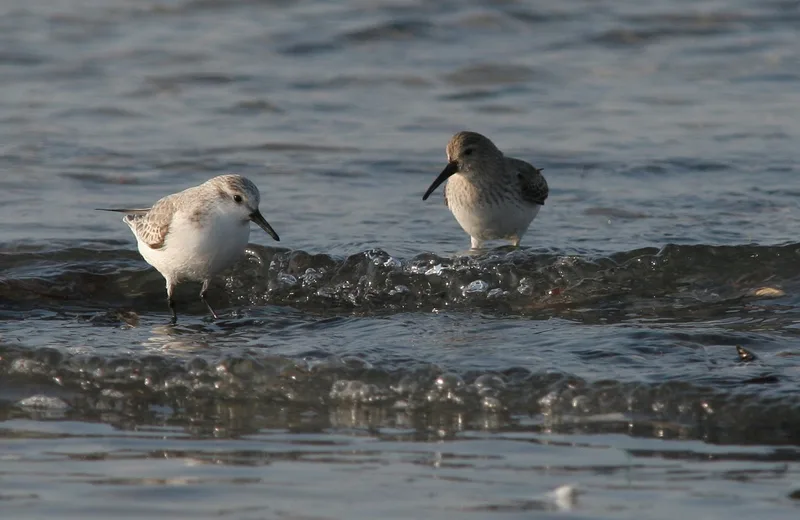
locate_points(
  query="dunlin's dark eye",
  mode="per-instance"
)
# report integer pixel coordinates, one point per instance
(468, 151)
(237, 199)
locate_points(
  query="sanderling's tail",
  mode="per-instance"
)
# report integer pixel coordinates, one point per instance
(140, 211)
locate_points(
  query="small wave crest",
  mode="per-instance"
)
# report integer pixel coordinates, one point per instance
(422, 394)
(686, 282)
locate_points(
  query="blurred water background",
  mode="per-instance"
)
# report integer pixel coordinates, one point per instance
(367, 366)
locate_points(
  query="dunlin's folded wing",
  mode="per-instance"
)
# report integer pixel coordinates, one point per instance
(533, 186)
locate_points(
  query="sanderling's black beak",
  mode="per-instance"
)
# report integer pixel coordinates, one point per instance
(450, 169)
(258, 218)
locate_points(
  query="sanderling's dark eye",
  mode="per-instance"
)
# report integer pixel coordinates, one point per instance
(237, 199)
(468, 151)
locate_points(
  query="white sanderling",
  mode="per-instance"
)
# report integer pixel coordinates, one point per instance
(492, 196)
(195, 234)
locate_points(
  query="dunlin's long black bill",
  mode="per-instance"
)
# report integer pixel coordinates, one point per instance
(450, 169)
(258, 218)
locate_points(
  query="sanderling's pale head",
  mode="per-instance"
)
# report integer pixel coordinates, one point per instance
(241, 197)
(469, 153)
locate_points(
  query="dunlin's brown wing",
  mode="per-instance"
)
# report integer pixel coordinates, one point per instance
(533, 186)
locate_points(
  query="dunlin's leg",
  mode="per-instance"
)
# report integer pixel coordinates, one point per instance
(476, 243)
(203, 292)
(171, 302)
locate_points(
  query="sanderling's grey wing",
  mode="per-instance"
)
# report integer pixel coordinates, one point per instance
(533, 186)
(152, 227)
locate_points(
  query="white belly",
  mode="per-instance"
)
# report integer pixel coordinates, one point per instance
(193, 253)
(488, 218)
(490, 222)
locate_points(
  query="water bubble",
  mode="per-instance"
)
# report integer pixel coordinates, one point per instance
(294, 373)
(548, 401)
(580, 403)
(326, 292)
(449, 382)
(399, 289)
(566, 261)
(44, 402)
(287, 279)
(357, 391)
(252, 255)
(478, 286)
(154, 382)
(525, 287)
(175, 381)
(27, 366)
(393, 263)
(312, 276)
(49, 356)
(243, 368)
(407, 385)
(356, 362)
(489, 385)
(197, 366)
(377, 256)
(491, 403)
(446, 389)
(339, 388)
(496, 293)
(444, 397)
(435, 270)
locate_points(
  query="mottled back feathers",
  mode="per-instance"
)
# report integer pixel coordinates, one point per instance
(479, 160)
(533, 186)
(531, 183)
(152, 227)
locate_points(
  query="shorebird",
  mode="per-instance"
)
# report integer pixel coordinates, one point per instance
(492, 196)
(197, 233)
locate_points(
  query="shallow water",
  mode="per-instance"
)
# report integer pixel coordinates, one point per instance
(368, 366)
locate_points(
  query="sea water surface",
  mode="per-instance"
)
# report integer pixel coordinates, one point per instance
(637, 357)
